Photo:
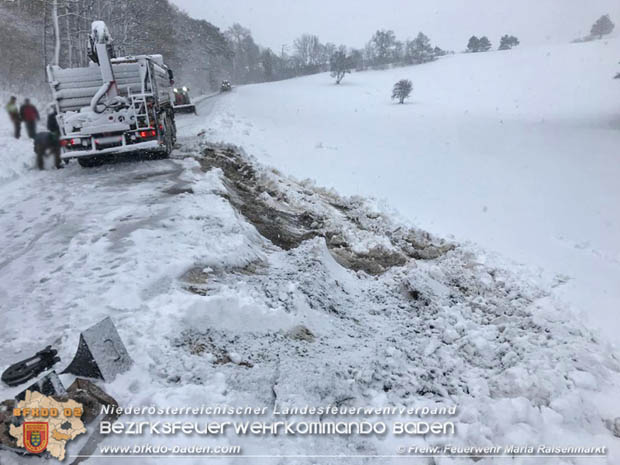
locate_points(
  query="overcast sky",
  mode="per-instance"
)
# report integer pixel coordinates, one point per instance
(449, 23)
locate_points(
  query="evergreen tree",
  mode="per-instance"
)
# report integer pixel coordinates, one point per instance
(438, 52)
(419, 50)
(473, 45)
(423, 49)
(602, 26)
(507, 42)
(402, 90)
(484, 44)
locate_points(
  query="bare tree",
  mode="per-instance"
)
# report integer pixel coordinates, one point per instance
(246, 54)
(309, 51)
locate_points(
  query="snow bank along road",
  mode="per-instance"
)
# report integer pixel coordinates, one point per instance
(516, 151)
(233, 284)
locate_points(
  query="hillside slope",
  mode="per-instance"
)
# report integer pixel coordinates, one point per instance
(517, 151)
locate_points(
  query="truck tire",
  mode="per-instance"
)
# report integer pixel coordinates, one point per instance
(90, 162)
(173, 124)
(168, 137)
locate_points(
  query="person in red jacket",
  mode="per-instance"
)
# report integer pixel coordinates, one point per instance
(29, 115)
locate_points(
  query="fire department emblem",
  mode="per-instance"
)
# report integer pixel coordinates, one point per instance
(35, 436)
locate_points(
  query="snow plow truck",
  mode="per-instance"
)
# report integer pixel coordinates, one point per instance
(113, 106)
(182, 101)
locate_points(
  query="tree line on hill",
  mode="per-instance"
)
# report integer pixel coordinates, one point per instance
(602, 26)
(35, 33)
(309, 55)
(483, 44)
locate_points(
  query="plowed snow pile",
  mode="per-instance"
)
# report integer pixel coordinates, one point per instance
(16, 156)
(514, 150)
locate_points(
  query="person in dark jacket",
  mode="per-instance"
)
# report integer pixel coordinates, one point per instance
(13, 111)
(29, 115)
(52, 122)
(44, 142)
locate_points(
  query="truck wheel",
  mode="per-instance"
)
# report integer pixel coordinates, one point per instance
(173, 125)
(168, 137)
(90, 162)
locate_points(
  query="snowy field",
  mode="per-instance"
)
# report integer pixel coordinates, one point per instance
(232, 283)
(517, 151)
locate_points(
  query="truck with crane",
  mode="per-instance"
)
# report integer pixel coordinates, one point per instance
(115, 105)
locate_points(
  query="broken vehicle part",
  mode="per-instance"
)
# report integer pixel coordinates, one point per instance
(101, 353)
(30, 368)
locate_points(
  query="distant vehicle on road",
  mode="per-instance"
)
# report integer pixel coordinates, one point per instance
(226, 86)
(182, 102)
